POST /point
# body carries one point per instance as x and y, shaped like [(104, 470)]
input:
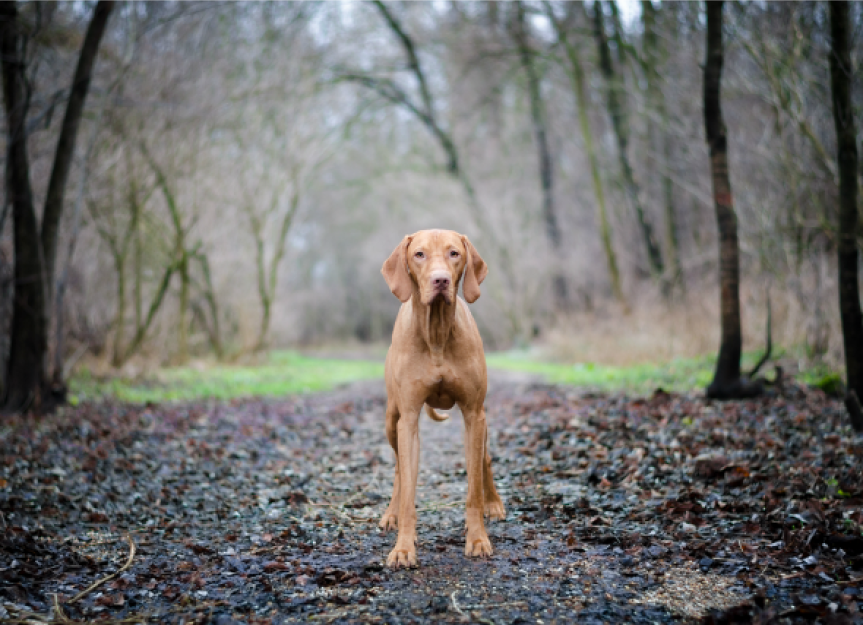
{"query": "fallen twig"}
[(58, 617), (329, 617), (455, 604), (353, 497), (99, 582), (485, 606), (439, 505)]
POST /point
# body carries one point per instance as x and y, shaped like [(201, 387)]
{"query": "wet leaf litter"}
[(665, 508)]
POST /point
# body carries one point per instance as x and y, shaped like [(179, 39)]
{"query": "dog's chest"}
[(443, 387)]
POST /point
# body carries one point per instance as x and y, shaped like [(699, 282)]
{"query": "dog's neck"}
[(436, 321)]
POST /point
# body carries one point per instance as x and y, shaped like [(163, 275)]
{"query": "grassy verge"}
[(678, 375), (284, 373), (288, 372), (682, 374)]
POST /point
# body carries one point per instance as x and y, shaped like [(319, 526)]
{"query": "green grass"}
[(284, 373), (288, 372), (683, 374)]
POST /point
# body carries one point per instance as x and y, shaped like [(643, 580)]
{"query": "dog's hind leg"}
[(493, 505)]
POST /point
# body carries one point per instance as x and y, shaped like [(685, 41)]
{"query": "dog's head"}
[(432, 262)]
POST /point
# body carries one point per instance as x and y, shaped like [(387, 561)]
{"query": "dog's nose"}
[(440, 281)]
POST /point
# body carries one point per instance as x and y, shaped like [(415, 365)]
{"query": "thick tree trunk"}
[(25, 375), (727, 382), (546, 167), (841, 75), (68, 133), (617, 110)]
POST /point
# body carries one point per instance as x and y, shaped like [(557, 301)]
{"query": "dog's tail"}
[(435, 416)]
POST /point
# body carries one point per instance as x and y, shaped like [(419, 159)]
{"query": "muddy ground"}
[(652, 510)]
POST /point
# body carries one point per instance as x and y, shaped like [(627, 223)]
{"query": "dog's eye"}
[(453, 253), (419, 255)]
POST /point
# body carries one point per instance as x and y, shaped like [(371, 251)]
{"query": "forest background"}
[(243, 169)]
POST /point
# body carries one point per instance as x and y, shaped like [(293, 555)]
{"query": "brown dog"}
[(436, 359)]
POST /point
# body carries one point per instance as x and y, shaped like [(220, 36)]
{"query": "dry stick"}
[(99, 582), (439, 505), (352, 497), (455, 603), (59, 617), (336, 508), (505, 604)]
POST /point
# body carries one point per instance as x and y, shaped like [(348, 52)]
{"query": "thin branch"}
[(413, 60), (108, 578)]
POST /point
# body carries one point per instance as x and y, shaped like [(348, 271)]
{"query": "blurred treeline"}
[(243, 169)]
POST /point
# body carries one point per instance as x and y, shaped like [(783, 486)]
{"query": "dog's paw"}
[(400, 557), (477, 546), (389, 521), (494, 510)]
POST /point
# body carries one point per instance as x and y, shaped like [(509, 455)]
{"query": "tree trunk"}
[(841, 75), (655, 53), (68, 133), (576, 75), (183, 313), (58, 375), (546, 167), (155, 304), (727, 382), (120, 318), (139, 274), (181, 253), (281, 248), (25, 376), (617, 110), (214, 334)]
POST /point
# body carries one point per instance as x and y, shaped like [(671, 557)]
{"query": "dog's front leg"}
[(476, 542), (405, 551), (390, 519)]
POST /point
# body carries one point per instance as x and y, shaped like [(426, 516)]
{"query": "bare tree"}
[(619, 120), (653, 55), (727, 381), (577, 77), (841, 76), (267, 272), (35, 249), (425, 112), (546, 167)]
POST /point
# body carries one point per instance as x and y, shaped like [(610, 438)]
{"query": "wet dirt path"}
[(619, 510)]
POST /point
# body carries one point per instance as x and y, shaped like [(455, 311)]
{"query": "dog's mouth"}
[(439, 294)]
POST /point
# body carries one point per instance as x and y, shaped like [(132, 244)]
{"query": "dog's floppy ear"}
[(395, 271), (474, 272)]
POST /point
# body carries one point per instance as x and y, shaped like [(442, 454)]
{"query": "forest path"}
[(618, 510)]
